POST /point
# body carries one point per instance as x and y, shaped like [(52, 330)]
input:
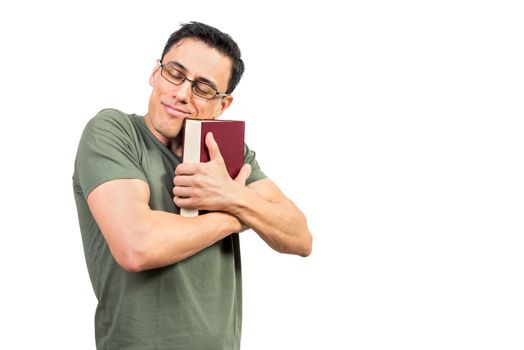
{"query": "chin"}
[(166, 128), (172, 132)]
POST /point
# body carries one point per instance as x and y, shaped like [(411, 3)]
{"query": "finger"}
[(243, 174), (185, 192), (186, 169), (183, 202), (212, 146), (183, 180)]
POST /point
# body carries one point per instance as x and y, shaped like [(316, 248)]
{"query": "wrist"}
[(223, 222), (233, 223), (239, 199)]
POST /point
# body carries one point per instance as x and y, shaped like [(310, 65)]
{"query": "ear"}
[(152, 77), (224, 104)]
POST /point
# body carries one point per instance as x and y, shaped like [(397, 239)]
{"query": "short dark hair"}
[(215, 39)]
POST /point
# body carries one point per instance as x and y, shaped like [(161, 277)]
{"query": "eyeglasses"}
[(176, 77)]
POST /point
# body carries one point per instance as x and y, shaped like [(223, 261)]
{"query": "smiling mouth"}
[(175, 112)]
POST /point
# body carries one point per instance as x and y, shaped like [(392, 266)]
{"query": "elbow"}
[(306, 241), (301, 247), (305, 253), (307, 247), (130, 262), (131, 265), (303, 250), (131, 258)]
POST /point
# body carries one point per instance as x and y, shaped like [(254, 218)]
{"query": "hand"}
[(208, 186)]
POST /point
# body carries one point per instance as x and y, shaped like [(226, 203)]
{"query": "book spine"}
[(192, 140)]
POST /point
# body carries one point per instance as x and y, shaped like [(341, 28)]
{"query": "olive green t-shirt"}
[(193, 304)]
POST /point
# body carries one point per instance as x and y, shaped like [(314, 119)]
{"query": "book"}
[(229, 135)]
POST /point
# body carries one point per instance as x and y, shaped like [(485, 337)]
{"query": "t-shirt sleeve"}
[(256, 172), (108, 150)]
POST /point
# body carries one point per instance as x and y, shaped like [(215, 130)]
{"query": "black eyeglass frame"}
[(194, 88)]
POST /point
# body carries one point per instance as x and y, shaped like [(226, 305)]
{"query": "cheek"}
[(209, 110), (201, 111), (154, 99)]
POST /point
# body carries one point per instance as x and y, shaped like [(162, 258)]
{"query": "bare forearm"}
[(166, 238), (141, 238), (280, 224)]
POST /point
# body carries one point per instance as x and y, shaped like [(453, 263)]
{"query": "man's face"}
[(170, 104)]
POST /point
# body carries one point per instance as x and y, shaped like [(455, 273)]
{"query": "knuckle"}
[(196, 180)]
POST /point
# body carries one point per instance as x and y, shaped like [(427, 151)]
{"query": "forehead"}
[(201, 61)]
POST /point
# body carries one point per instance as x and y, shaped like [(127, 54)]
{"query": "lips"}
[(175, 111)]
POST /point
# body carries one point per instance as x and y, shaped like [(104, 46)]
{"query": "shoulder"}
[(110, 116), (112, 121), (109, 128)]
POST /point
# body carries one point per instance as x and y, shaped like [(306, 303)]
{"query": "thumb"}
[(243, 174), (212, 146)]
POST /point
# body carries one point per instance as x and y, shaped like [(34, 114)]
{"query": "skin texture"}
[(141, 238)]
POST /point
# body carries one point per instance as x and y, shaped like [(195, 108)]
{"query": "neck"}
[(175, 145)]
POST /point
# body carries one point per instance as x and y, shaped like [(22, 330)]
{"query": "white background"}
[(396, 126)]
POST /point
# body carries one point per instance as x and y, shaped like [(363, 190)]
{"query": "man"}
[(164, 281)]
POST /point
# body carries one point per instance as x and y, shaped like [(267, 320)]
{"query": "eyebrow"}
[(200, 79)]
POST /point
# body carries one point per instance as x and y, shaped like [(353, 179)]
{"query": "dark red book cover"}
[(229, 135)]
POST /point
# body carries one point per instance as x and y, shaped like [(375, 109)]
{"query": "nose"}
[(182, 91)]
